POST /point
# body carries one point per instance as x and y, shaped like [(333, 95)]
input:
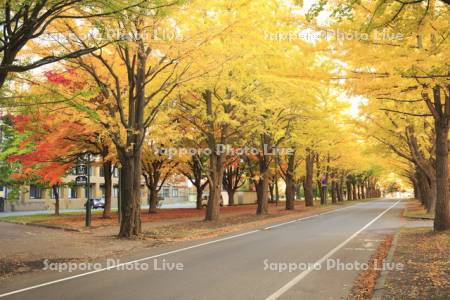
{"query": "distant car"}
[(205, 200), (97, 203)]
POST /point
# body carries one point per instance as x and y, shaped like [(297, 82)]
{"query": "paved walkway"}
[(44, 212)]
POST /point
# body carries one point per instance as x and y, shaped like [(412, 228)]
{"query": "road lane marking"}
[(281, 224), (309, 217), (126, 263), (303, 274)]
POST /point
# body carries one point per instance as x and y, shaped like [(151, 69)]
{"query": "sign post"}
[(84, 178), (119, 198), (88, 192)]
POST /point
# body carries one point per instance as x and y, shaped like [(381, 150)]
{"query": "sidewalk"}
[(62, 211)]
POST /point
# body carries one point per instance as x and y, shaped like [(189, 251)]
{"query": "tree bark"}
[(349, 190), (355, 194), (199, 195), (107, 172), (363, 191), (442, 215), (216, 159), (56, 194), (308, 183), (290, 183), (263, 195), (215, 184), (425, 189), (130, 181), (231, 197), (277, 191), (152, 199), (290, 193), (333, 192), (341, 189)]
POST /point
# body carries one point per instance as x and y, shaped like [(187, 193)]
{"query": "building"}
[(72, 196)]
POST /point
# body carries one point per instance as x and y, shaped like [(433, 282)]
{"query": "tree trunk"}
[(290, 183), (290, 192), (349, 191), (417, 195), (277, 191), (433, 195), (130, 181), (152, 199), (271, 192), (442, 215), (199, 193), (425, 189), (199, 188), (308, 183), (56, 194), (334, 192), (263, 195), (355, 194), (231, 197), (107, 173), (323, 194), (215, 186), (341, 189), (363, 191)]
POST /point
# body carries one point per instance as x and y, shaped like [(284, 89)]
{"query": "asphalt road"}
[(248, 265)]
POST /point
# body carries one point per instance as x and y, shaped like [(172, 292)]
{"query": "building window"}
[(103, 189), (174, 192), (116, 192), (115, 172), (35, 192), (102, 172), (73, 193), (1, 189), (166, 192)]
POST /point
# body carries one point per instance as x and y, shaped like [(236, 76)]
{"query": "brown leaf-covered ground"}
[(426, 257), (364, 284)]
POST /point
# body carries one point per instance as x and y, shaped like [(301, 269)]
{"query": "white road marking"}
[(303, 274), (309, 217), (360, 249), (127, 263)]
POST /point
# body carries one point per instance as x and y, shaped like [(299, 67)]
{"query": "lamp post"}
[(88, 192), (119, 197)]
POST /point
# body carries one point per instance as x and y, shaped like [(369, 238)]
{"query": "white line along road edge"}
[(303, 274), (124, 264)]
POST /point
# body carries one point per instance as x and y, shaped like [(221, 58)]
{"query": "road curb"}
[(379, 288), (43, 225)]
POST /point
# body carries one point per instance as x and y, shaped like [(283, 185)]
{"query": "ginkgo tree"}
[(407, 64)]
